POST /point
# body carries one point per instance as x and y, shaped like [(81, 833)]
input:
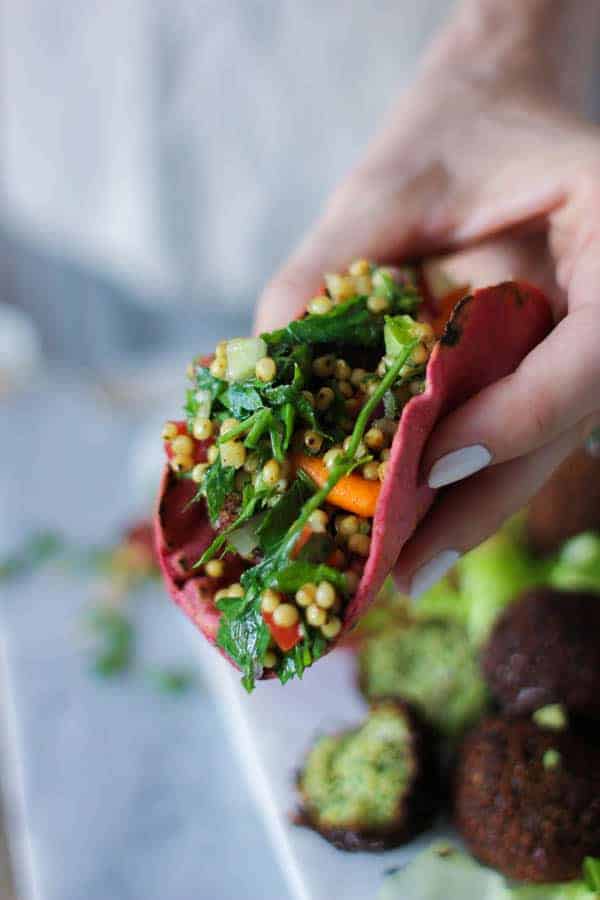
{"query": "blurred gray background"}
[(170, 153), (158, 160)]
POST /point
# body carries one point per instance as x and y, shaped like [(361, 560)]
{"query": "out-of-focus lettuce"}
[(484, 582), (442, 601), (390, 610), (442, 872), (492, 576), (578, 564)]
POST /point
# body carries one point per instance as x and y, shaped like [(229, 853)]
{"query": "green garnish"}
[(168, 680), (37, 549), (114, 633), (281, 516), (218, 485)]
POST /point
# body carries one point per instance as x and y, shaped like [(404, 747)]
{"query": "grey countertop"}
[(114, 791)]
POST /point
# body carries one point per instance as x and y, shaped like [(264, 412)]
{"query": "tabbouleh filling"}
[(287, 437)]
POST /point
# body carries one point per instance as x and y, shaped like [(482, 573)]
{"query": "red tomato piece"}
[(285, 638), (200, 447)]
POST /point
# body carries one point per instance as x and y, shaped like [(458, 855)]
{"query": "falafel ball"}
[(527, 800), (432, 665), (546, 649), (371, 787), (567, 504)]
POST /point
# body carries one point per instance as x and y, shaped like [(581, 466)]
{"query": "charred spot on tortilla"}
[(454, 328)]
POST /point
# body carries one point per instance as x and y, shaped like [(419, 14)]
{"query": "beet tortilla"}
[(485, 339)]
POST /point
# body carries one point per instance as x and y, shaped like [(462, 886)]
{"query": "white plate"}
[(271, 730)]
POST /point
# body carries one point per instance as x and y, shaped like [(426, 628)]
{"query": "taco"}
[(294, 480)]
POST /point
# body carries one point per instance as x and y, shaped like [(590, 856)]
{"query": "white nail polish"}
[(431, 572), (458, 464)]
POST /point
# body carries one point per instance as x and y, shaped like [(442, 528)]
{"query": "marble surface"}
[(272, 730), (114, 791)]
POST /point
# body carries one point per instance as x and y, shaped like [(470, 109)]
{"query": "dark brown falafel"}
[(568, 504), (527, 800), (546, 649), (371, 787)]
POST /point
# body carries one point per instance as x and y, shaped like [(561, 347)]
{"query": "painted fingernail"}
[(431, 572), (458, 464)]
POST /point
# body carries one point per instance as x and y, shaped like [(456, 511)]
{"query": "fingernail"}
[(431, 572), (458, 464)]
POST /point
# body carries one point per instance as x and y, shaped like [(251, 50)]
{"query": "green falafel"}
[(433, 666), (371, 787)]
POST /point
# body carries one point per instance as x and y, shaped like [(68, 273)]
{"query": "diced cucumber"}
[(245, 538), (204, 404), (242, 356)]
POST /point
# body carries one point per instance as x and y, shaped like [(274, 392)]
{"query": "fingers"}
[(467, 513), (506, 258), (375, 215), (555, 387)]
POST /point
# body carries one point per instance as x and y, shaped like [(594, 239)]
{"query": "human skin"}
[(487, 158)]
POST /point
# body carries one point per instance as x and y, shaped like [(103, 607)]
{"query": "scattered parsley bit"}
[(167, 680), (37, 549), (114, 635)]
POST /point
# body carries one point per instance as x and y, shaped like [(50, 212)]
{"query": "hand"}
[(482, 151)]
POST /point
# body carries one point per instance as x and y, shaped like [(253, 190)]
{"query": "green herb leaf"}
[(219, 483), (115, 635), (317, 549), (276, 433), (241, 399), (260, 426), (245, 638), (296, 573), (281, 516)]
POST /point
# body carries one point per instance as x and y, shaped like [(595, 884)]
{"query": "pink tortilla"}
[(486, 338)]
